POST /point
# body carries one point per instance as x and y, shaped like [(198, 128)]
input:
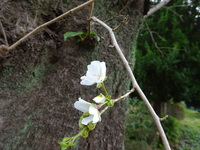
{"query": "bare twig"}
[(152, 37), (124, 96), (156, 8), (154, 41), (102, 111), (89, 16), (4, 34), (174, 12), (128, 3), (125, 19), (50, 22), (119, 98), (135, 84), (187, 5), (163, 118)]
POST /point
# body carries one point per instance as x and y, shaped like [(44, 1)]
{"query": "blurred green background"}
[(168, 70)]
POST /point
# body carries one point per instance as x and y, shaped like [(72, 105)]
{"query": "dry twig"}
[(135, 84), (156, 8), (4, 33), (125, 19), (163, 118), (89, 16), (119, 98), (49, 22)]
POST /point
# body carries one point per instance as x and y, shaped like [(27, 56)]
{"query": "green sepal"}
[(85, 114), (85, 134), (99, 85), (110, 102), (101, 95), (105, 78), (91, 126), (81, 126)]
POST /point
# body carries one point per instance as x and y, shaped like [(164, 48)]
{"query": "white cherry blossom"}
[(96, 73), (84, 106)]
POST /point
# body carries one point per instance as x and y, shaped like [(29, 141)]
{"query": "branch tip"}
[(163, 118)]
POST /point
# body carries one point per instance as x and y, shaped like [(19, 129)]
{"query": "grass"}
[(190, 130), (192, 119), (183, 134)]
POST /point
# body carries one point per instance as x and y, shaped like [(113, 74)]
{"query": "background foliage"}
[(168, 56), (167, 69)]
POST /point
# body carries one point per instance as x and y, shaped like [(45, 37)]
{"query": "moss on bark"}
[(40, 79)]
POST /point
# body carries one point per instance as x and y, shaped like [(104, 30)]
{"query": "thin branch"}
[(152, 37), (174, 12), (154, 41), (135, 84), (124, 96), (188, 5), (49, 22), (163, 118), (89, 16), (125, 19), (128, 3), (119, 98), (102, 111), (156, 8), (4, 34)]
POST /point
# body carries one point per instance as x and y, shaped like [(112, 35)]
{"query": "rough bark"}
[(39, 80)]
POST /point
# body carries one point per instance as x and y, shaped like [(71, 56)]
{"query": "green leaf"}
[(95, 34), (71, 34), (79, 40), (66, 139), (66, 142), (62, 144), (70, 144)]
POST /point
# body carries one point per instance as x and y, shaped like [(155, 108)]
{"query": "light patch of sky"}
[(189, 1), (198, 9), (155, 1)]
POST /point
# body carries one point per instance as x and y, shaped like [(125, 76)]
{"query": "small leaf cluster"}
[(82, 35)]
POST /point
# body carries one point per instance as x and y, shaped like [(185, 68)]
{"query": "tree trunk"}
[(40, 79)]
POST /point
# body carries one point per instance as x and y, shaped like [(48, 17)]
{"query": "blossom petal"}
[(96, 115), (99, 99), (86, 120), (103, 71), (86, 81), (82, 105), (92, 77), (94, 67), (96, 118)]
